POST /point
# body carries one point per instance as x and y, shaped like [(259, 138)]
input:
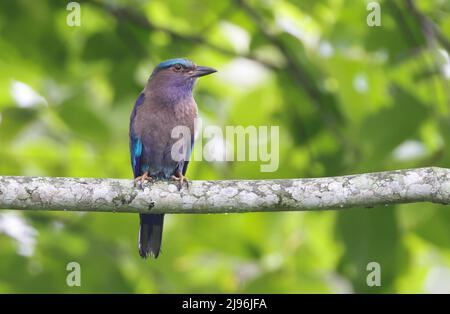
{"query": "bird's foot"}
[(139, 181), (180, 179)]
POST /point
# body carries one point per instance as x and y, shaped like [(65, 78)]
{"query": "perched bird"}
[(166, 102)]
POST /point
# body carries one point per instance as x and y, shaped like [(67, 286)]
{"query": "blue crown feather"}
[(168, 63)]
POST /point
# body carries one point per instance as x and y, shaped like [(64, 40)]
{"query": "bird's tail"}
[(150, 234)]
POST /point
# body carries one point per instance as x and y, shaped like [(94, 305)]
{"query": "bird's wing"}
[(136, 152), (185, 164), (135, 141)]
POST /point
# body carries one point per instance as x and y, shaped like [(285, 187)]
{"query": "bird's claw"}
[(139, 181), (180, 179)]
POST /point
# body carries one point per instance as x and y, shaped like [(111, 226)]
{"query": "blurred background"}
[(348, 98)]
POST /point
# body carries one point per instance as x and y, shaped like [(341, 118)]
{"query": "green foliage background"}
[(346, 96)]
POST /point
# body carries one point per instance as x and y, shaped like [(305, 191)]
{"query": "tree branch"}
[(430, 30), (122, 13), (115, 195), (320, 99)]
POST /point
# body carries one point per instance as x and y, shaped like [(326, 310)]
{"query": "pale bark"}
[(114, 195)]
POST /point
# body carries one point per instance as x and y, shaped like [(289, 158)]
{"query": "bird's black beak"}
[(202, 71)]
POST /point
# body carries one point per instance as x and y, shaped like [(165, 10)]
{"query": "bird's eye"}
[(178, 67)]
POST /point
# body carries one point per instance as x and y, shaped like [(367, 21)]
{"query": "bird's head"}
[(179, 73)]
